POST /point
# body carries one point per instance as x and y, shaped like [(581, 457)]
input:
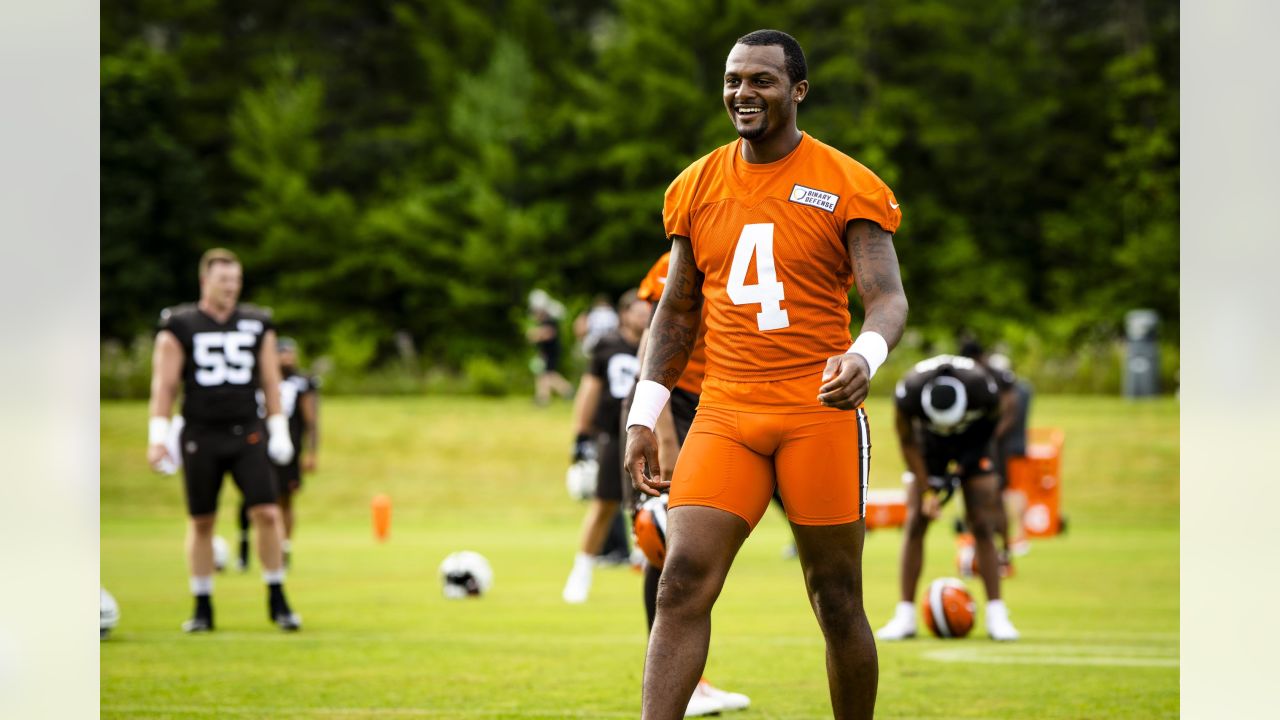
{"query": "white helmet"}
[(944, 400), (108, 614), (465, 574)]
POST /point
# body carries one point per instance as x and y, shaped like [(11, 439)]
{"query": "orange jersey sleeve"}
[(655, 280), (651, 289), (769, 242)]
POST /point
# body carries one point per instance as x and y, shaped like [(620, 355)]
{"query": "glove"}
[(172, 445), (944, 486), (279, 444), (584, 448)]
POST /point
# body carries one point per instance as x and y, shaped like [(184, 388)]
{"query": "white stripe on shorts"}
[(864, 461)]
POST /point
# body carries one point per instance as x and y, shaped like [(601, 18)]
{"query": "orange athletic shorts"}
[(819, 460)]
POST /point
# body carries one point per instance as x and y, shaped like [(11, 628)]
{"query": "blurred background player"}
[(299, 399), (671, 429), (545, 336), (598, 416), (596, 322), (221, 353), (947, 409)]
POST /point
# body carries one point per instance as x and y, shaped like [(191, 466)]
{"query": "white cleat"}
[(703, 702), (998, 625), (578, 586), (902, 626), (728, 700)]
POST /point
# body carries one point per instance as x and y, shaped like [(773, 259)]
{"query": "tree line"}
[(416, 167)]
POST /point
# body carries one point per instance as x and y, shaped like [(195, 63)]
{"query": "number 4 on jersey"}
[(757, 239)]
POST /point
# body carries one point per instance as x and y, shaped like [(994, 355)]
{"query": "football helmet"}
[(465, 574)]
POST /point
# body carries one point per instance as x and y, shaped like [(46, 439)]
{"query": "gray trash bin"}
[(1142, 354)]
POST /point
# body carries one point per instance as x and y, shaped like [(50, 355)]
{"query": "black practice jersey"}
[(293, 386), (220, 375), (614, 361), (982, 400)]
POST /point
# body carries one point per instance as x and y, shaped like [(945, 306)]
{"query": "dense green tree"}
[(417, 166)]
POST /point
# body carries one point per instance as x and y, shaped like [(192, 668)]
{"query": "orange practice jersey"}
[(651, 289), (769, 241)]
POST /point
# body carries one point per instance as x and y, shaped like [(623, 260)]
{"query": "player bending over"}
[(947, 411)]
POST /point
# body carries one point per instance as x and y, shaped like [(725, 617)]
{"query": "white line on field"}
[(1095, 655), (1119, 639), (337, 711)]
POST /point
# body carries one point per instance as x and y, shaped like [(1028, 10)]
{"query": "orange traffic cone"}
[(381, 505)]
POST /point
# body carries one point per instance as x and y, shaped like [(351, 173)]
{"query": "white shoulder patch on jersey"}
[(820, 199), (250, 326)]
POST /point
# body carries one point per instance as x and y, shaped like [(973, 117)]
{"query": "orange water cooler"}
[(886, 508), (1038, 478)]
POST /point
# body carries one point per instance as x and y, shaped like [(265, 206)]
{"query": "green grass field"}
[(1098, 607)]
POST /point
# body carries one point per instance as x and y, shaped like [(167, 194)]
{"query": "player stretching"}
[(770, 232), (221, 352), (597, 410), (299, 393), (947, 411)]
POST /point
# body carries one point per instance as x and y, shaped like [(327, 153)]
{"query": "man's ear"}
[(800, 90)]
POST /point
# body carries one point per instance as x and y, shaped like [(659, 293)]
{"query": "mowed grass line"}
[(380, 642)]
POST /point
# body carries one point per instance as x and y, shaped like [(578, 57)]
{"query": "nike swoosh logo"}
[(893, 205)]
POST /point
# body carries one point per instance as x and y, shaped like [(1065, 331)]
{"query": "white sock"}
[(201, 584), (273, 577), (905, 608), (997, 606), (583, 562)]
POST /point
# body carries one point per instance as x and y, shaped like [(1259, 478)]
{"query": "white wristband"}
[(872, 346), (650, 398), (278, 424), (158, 430)]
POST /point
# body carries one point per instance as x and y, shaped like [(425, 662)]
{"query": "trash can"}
[(1142, 354)]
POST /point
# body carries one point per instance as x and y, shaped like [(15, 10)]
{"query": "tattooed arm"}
[(670, 341), (875, 268), (675, 321)]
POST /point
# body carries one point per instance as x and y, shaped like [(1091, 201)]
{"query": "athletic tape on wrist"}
[(158, 430), (650, 398), (872, 346)]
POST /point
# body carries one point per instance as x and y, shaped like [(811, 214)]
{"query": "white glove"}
[(279, 444), (173, 463)]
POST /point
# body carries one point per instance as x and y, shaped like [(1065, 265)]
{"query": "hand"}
[(642, 455), (845, 381), (583, 448), (309, 462), (931, 505), (159, 459), (279, 444)]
